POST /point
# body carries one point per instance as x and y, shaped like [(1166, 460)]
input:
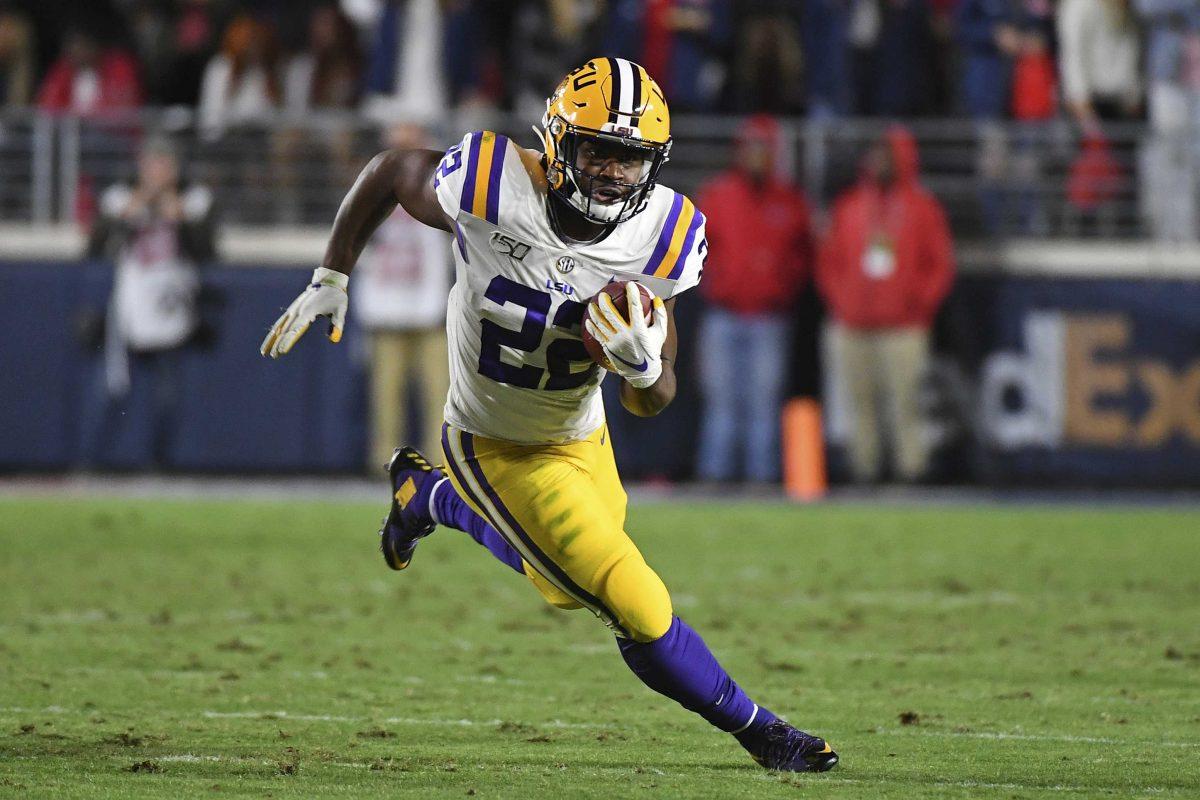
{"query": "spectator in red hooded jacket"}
[(884, 269), (89, 79), (760, 258)]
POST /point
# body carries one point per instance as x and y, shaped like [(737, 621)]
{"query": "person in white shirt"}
[(1100, 60), (242, 84), (403, 280), (156, 232)]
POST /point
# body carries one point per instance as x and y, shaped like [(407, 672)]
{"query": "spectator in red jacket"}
[(884, 269), (760, 257), (89, 78)]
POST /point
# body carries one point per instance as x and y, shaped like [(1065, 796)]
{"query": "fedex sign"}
[(1080, 382)]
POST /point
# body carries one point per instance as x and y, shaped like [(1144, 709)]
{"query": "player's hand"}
[(634, 348), (324, 297)]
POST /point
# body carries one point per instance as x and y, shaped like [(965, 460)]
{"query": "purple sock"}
[(450, 509), (680, 666)]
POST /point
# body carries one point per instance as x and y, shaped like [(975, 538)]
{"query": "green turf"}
[(257, 649)]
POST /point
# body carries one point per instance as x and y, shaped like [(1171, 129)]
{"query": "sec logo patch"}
[(565, 264)]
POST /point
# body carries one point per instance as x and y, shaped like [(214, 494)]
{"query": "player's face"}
[(615, 170)]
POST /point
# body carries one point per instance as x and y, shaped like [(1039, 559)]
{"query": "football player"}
[(531, 474)]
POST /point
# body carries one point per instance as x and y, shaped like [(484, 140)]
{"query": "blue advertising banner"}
[(213, 406), (1040, 380), (1084, 380)]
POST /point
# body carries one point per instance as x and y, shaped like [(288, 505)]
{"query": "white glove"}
[(633, 348), (324, 297)]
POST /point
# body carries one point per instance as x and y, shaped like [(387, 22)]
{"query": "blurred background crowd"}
[(1052, 97), (238, 60), (843, 150)]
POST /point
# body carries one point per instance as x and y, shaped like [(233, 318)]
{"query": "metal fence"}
[(1028, 180)]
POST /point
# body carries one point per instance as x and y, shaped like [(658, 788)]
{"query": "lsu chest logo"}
[(564, 264), (506, 245)]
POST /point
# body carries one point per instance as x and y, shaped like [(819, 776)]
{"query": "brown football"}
[(616, 291)]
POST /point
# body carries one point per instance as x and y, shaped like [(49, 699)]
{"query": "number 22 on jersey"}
[(567, 363)]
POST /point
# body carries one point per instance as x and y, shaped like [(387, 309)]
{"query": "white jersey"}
[(518, 368), (156, 286)]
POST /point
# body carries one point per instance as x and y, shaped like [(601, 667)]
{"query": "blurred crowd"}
[(275, 93), (238, 60), (882, 266)]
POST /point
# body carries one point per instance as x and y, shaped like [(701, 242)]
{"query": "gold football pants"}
[(562, 507)]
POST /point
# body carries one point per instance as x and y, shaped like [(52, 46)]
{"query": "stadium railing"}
[(996, 179)]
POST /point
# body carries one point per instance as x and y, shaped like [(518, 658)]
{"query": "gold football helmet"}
[(615, 102)]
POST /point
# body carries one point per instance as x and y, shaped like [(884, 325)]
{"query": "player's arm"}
[(403, 177), (394, 177), (650, 401)]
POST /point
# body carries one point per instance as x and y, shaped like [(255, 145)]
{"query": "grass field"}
[(221, 649)]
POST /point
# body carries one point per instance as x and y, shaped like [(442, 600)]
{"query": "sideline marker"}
[(803, 450)]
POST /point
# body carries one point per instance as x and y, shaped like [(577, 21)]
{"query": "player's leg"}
[(448, 508), (679, 665), (676, 663), (561, 507), (543, 501), (423, 498)]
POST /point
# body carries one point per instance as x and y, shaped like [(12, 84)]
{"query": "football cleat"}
[(408, 521), (787, 749)]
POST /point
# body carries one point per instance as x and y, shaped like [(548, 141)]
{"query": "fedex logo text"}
[(1080, 383)]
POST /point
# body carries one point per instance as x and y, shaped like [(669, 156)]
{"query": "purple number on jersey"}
[(561, 354)]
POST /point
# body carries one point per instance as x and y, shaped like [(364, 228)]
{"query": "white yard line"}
[(291, 716), (457, 723), (1031, 737)]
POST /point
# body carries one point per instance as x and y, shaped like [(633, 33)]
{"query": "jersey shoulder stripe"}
[(675, 239), (481, 185)]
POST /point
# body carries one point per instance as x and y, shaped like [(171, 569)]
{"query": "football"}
[(616, 290)]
